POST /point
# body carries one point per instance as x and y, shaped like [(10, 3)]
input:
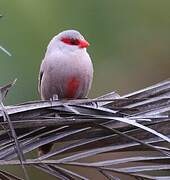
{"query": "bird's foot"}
[(54, 98)]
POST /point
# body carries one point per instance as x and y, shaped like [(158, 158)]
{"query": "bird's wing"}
[(39, 81), (40, 77)]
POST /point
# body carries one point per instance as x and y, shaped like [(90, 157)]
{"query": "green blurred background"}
[(130, 41)]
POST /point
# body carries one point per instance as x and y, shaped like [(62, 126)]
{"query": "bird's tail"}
[(45, 149)]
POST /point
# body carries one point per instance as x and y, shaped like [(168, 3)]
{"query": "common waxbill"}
[(66, 70)]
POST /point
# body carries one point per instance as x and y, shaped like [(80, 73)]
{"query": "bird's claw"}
[(54, 98)]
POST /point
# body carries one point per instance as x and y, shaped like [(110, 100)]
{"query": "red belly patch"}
[(72, 87)]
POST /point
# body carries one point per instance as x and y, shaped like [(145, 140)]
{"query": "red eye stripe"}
[(71, 41)]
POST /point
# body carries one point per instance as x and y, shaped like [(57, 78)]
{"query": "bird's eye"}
[(74, 41), (71, 41)]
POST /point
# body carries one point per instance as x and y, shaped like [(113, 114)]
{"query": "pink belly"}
[(72, 87)]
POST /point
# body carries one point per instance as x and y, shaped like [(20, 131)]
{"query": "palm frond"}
[(113, 136)]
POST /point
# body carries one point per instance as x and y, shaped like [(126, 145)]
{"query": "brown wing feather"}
[(40, 76), (39, 81)]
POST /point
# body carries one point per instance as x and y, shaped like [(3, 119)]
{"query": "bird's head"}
[(69, 40)]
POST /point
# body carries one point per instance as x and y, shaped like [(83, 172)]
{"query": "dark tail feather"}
[(45, 149)]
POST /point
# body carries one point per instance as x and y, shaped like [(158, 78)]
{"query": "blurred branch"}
[(5, 51)]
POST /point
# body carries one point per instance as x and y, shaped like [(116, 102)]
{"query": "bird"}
[(66, 71)]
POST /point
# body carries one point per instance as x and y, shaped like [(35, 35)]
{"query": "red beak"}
[(83, 44)]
